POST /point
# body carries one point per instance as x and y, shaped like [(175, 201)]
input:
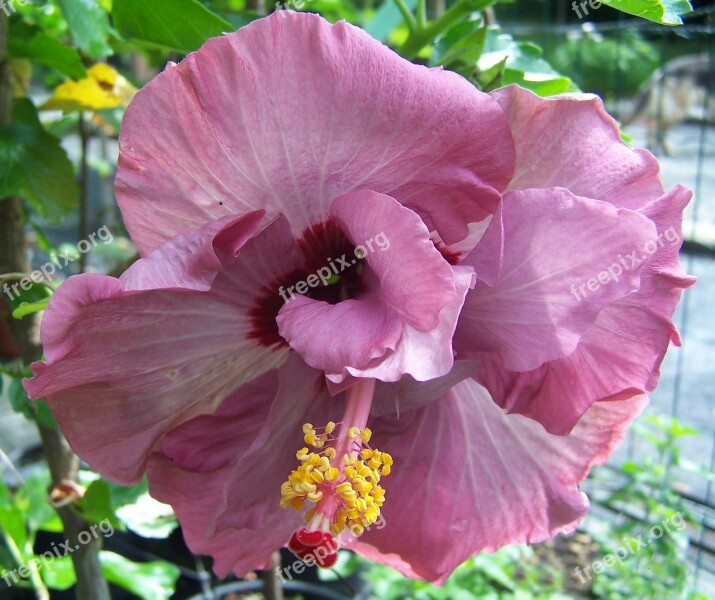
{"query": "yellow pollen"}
[(352, 479)]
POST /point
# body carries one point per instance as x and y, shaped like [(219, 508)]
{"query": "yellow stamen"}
[(353, 478)]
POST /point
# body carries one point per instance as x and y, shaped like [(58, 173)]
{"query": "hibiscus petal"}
[(125, 366), (424, 355), (331, 337), (160, 269), (620, 355), (553, 243), (415, 280), (290, 112), (405, 322), (570, 141), (222, 473), (468, 478)]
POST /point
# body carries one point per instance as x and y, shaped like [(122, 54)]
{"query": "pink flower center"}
[(325, 249)]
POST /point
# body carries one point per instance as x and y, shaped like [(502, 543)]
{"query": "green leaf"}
[(96, 504), (122, 495), (40, 513), (89, 26), (18, 398), (665, 12), (148, 518), (519, 62), (59, 574), (35, 167), (150, 581), (28, 41), (463, 44), (18, 296), (180, 25), (12, 515), (30, 308)]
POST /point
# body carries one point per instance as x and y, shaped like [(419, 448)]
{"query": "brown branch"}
[(63, 464)]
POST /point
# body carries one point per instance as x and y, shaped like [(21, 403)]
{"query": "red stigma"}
[(314, 546)]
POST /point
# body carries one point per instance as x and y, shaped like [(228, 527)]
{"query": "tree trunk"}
[(63, 464)]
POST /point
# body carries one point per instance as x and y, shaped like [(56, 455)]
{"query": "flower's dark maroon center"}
[(331, 273)]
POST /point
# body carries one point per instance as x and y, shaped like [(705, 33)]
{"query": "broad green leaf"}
[(522, 63), (180, 25), (150, 581), (40, 513), (665, 12), (59, 574), (148, 518), (89, 26), (461, 46), (34, 166), (96, 504), (13, 508), (122, 495), (18, 398), (20, 298), (28, 41)]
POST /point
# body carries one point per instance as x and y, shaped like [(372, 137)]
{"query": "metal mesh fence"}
[(659, 82)]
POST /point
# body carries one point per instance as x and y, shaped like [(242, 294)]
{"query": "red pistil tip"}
[(314, 547)]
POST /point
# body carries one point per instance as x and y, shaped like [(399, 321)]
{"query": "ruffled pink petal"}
[(570, 141), (405, 320), (125, 366), (222, 472), (160, 269), (469, 478), (621, 354), (331, 337), (424, 355), (290, 112), (553, 243), (415, 280)]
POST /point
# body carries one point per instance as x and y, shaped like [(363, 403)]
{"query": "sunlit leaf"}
[(89, 26), (666, 12), (180, 25), (150, 581), (505, 61), (28, 41), (59, 574), (35, 167)]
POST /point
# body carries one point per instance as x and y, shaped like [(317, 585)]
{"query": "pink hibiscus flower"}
[(341, 248)]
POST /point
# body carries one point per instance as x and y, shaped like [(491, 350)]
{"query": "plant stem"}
[(422, 13), (41, 592), (419, 38), (63, 464), (272, 589), (83, 187), (406, 15)]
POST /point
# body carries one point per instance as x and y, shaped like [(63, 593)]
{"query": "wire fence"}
[(659, 81)]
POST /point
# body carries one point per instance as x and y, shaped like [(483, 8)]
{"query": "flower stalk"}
[(426, 33)]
